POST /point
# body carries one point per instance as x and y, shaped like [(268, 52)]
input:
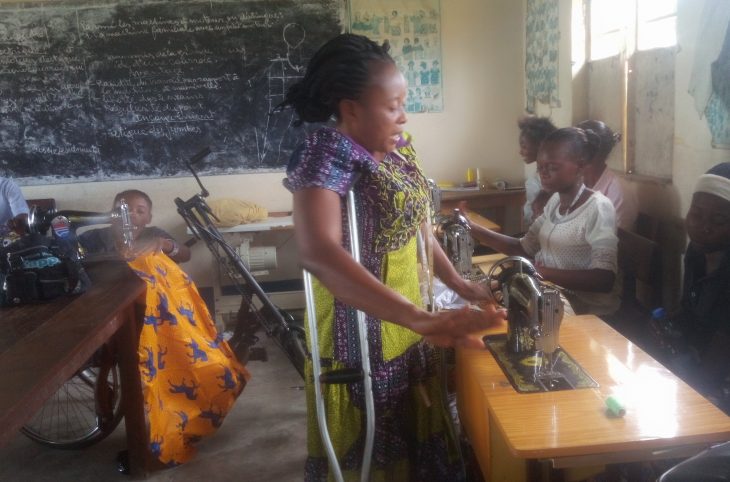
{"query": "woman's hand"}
[(458, 327)]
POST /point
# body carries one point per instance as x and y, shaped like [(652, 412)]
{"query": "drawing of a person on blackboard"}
[(283, 70)]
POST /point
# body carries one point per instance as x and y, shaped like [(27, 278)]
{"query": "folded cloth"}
[(232, 212)]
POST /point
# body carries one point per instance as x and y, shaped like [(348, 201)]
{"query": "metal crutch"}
[(346, 375)]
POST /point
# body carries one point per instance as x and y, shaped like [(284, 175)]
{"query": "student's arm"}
[(504, 244), (497, 241), (153, 240), (177, 252), (318, 233), (18, 207)]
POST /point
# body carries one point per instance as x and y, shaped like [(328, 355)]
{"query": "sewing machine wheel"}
[(502, 271)]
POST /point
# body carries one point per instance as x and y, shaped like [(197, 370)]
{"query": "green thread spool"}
[(615, 407)]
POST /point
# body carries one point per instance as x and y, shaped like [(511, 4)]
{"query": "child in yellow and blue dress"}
[(190, 377)]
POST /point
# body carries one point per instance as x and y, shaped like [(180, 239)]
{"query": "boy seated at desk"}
[(695, 341), (146, 238), (190, 377)]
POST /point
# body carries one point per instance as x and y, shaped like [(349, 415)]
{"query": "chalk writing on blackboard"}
[(126, 90)]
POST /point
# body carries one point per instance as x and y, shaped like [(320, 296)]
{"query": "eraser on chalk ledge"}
[(615, 407)]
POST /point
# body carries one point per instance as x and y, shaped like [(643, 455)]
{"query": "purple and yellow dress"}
[(412, 439)]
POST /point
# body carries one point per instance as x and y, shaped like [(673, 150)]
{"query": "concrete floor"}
[(262, 439)]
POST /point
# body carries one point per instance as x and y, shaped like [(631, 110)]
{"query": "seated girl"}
[(699, 331), (532, 132), (190, 377), (598, 177), (573, 241)]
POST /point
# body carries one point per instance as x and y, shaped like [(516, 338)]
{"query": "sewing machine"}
[(453, 233), (534, 313), (64, 224)]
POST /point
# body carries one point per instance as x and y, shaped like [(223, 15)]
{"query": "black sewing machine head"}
[(534, 309), (454, 234)]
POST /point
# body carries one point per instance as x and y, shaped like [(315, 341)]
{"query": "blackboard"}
[(124, 90)]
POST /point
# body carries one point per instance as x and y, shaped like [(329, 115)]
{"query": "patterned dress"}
[(412, 438), (190, 377)]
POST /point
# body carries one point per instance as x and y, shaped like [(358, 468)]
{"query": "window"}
[(609, 26), (630, 79), (621, 26), (656, 24)]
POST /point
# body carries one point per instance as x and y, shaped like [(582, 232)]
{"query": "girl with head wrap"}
[(702, 324)]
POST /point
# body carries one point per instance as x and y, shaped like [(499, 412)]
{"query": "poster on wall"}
[(718, 108), (541, 53), (718, 119), (413, 28)]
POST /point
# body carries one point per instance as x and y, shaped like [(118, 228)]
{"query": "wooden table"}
[(510, 431), (42, 345), (487, 198), (476, 218)]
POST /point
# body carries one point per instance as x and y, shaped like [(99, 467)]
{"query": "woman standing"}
[(356, 81)]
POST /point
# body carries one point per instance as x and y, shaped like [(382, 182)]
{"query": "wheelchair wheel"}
[(84, 410)]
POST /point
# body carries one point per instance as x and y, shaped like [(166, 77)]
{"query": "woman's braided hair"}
[(584, 144), (608, 138), (340, 69)]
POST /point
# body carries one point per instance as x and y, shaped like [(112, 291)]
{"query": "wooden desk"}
[(476, 218), (665, 418), (42, 345), (487, 198)]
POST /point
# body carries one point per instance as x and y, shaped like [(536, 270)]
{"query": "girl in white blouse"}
[(574, 241)]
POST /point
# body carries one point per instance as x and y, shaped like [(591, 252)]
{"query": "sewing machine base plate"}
[(522, 370)]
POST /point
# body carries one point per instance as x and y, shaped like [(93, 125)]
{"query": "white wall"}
[(483, 64), (483, 92)]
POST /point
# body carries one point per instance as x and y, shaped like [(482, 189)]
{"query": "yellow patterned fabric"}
[(400, 271), (190, 377)]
